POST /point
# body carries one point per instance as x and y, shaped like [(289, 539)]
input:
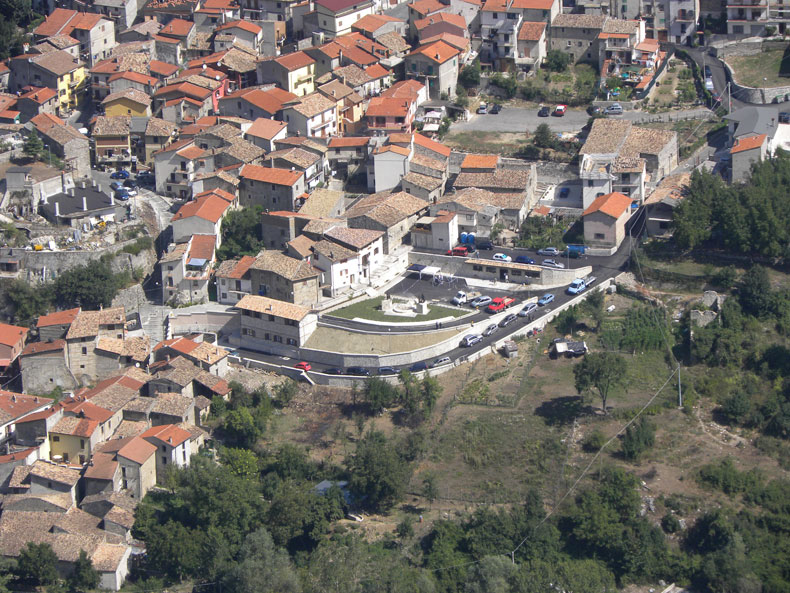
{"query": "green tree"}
[(430, 489), (33, 146), (286, 391), (567, 319), (262, 568), (379, 394), (405, 529), (241, 428), (26, 301), (84, 577), (544, 137), (602, 371), (754, 292), (241, 233), (557, 61), (91, 286), (461, 96), (378, 474), (638, 438), (242, 462), (431, 392), (470, 75), (37, 564)]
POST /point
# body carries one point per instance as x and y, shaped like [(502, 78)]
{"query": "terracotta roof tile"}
[(281, 309), (480, 161), (58, 318), (166, 433), (11, 335), (613, 204), (294, 61), (438, 52), (271, 175), (211, 208)]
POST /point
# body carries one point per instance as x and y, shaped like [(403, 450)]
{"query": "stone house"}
[(65, 142), (278, 276), (336, 17), (173, 447), (274, 189), (577, 34), (436, 66), (83, 336), (264, 132), (311, 116), (392, 214), (44, 367), (95, 34), (202, 216), (186, 270), (605, 220), (12, 342), (233, 280), (294, 72), (271, 325)]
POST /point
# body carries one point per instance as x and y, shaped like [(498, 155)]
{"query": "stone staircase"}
[(153, 319)]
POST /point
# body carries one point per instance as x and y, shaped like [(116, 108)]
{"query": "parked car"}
[(471, 340), (614, 109), (708, 72), (358, 371), (459, 298), (551, 263), (784, 117), (545, 299), (120, 174), (485, 245), (115, 185), (387, 371), (305, 366), (593, 110), (146, 178), (461, 250), (523, 259), (565, 192), (490, 330), (544, 111), (560, 110), (549, 251), (495, 109), (577, 286), (502, 257), (441, 361), (334, 371), (121, 194), (508, 319), (418, 366), (482, 109), (527, 309), (481, 301)]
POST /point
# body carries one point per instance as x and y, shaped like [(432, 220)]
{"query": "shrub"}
[(670, 523), (594, 441), (638, 438)]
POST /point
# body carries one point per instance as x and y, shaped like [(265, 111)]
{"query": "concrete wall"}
[(183, 321), (42, 373), (755, 95)]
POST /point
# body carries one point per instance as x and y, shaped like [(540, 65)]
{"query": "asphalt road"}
[(521, 119), (603, 269)]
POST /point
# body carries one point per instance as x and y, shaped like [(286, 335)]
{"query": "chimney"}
[(85, 203), (57, 208), (340, 57)]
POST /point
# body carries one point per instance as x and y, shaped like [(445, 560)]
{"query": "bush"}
[(557, 61), (470, 75), (638, 438), (726, 477), (506, 83), (141, 244), (670, 523), (594, 441)]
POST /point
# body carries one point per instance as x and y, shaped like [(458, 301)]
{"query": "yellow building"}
[(129, 101), (294, 72), (72, 439), (57, 70)]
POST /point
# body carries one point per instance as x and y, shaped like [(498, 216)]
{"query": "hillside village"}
[(143, 131)]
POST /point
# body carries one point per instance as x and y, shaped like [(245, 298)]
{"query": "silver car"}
[(551, 263), (490, 329), (528, 308)]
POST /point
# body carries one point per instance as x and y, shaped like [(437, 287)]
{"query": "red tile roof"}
[(480, 161), (184, 88), (405, 89), (17, 405), (39, 95), (426, 7), (384, 107), (177, 28), (432, 145), (530, 31), (438, 52), (138, 450), (58, 318), (162, 68), (348, 141), (271, 175), (241, 267), (182, 345), (41, 347), (613, 204), (377, 71), (55, 22), (220, 193), (211, 208), (167, 433), (11, 335), (85, 409), (442, 17), (203, 247), (243, 25), (134, 77), (748, 143), (264, 127), (271, 100), (338, 5), (294, 61)]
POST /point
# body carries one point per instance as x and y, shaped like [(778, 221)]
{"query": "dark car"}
[(115, 185), (708, 72), (334, 371), (523, 259), (508, 320), (387, 371), (485, 245), (130, 183), (593, 110), (121, 194), (418, 366), (495, 109), (120, 174), (146, 178), (784, 117), (357, 371), (544, 111)]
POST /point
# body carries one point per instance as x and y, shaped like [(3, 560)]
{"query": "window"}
[(270, 317), (490, 269), (56, 439), (84, 350), (569, 43), (164, 460), (164, 448), (291, 342), (123, 473), (278, 339), (599, 235), (82, 443)]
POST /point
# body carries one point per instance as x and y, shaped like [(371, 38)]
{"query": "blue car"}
[(120, 174), (523, 259), (116, 185), (121, 194), (545, 299)]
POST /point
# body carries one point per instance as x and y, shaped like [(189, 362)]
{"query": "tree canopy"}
[(601, 371)]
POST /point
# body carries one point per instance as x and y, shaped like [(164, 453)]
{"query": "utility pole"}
[(729, 97), (680, 391)]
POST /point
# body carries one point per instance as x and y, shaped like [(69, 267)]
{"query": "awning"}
[(196, 261)]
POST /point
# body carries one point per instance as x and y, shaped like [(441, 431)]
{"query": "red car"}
[(305, 366), (500, 304), (462, 251)]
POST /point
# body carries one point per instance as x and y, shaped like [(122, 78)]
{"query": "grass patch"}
[(504, 144), (371, 309), (766, 69)]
